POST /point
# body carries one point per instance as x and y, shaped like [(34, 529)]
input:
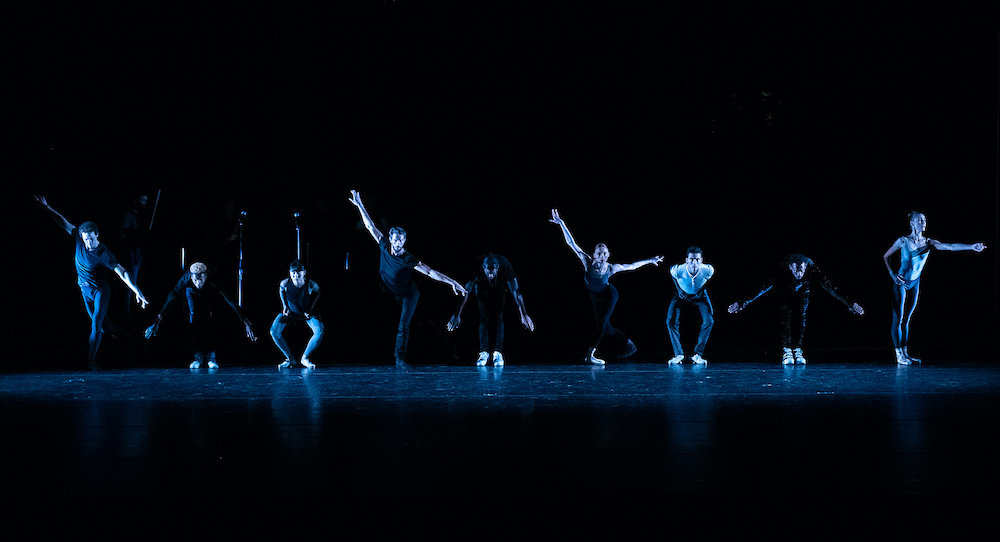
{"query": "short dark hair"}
[(296, 265), (694, 249), (397, 230), (88, 227)]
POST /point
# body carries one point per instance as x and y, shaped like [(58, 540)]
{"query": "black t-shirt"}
[(396, 271)]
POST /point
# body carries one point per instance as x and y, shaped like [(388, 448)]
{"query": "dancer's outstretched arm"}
[(365, 217), (977, 247), (425, 269), (618, 267)]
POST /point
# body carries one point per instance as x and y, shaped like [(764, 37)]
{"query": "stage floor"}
[(553, 430)]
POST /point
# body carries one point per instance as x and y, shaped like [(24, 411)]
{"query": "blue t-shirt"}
[(92, 266)]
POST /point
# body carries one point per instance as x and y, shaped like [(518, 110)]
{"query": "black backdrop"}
[(466, 129)]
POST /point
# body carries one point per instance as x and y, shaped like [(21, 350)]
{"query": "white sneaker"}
[(901, 357), (198, 357), (676, 360), (497, 359), (787, 358), (285, 364), (211, 361), (697, 359), (799, 358), (483, 358), (906, 354), (307, 364)]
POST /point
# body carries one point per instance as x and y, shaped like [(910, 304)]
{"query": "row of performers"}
[(791, 283)]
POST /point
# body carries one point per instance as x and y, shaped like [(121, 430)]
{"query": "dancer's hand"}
[(454, 322), (527, 322), (555, 217), (249, 328), (735, 308), (857, 309), (356, 199)]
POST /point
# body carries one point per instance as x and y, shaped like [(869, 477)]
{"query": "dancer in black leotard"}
[(913, 251), (603, 296)]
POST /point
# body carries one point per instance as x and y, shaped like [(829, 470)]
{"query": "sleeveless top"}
[(596, 280), (912, 259)]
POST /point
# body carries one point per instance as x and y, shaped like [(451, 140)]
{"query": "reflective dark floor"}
[(629, 429)]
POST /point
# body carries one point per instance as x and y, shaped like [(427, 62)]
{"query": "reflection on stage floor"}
[(645, 429)]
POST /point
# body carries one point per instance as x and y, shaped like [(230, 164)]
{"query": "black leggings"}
[(604, 305)]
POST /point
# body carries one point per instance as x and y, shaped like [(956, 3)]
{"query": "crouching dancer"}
[(791, 281), (200, 293), (298, 296)]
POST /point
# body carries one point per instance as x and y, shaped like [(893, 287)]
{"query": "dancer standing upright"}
[(913, 251)]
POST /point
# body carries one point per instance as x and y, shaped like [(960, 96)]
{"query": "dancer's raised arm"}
[(59, 219), (365, 217), (568, 237)]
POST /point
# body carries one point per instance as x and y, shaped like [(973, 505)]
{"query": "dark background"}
[(648, 132)]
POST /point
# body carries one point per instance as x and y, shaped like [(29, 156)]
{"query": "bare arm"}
[(519, 301), (456, 319), (568, 237), (888, 264), (59, 219), (123, 274), (424, 269), (978, 247), (618, 267), (365, 217)]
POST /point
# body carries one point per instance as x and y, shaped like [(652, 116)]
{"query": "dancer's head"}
[(397, 238), (199, 274), (89, 234), (491, 266), (297, 272), (601, 253), (694, 258), (798, 264), (918, 222)]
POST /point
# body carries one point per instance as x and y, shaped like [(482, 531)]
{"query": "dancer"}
[(603, 296), (791, 281), (93, 260), (396, 267), (298, 296), (195, 286), (494, 278), (690, 279), (913, 251)]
